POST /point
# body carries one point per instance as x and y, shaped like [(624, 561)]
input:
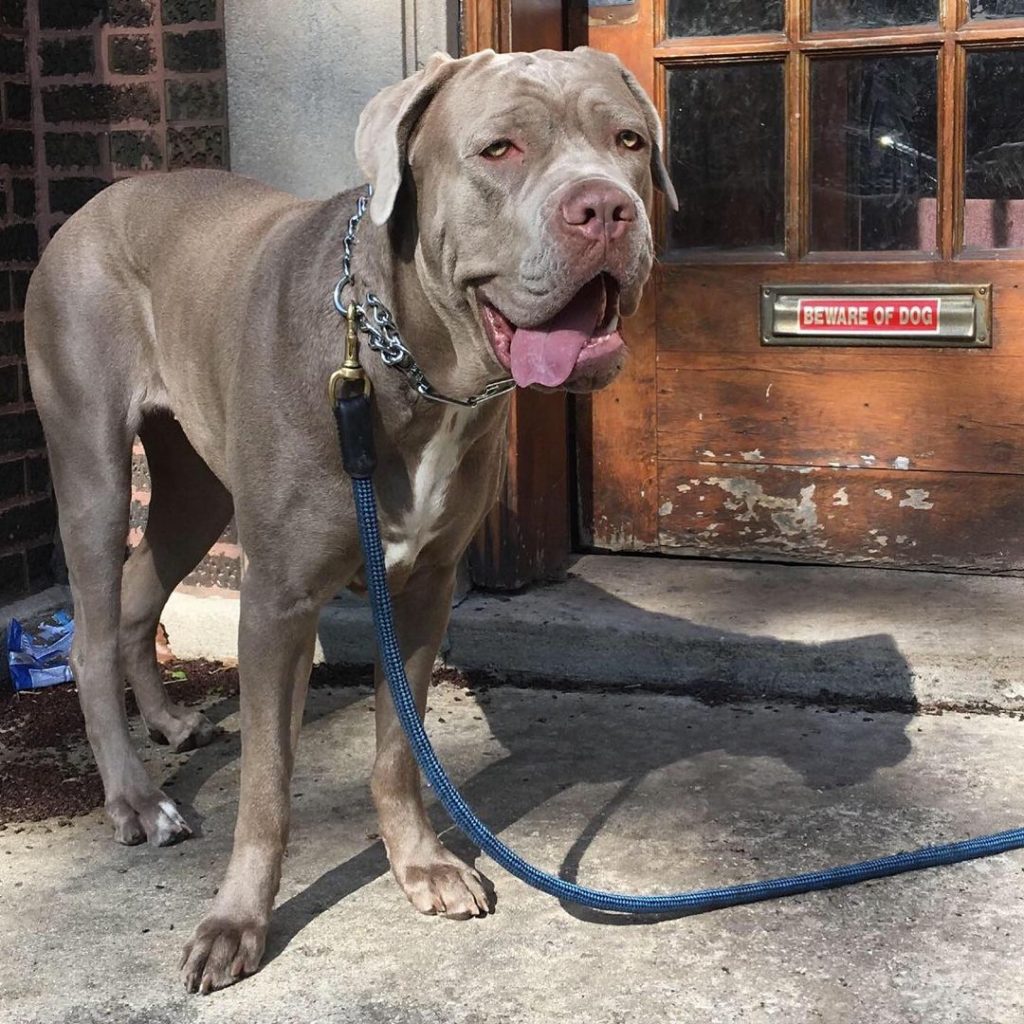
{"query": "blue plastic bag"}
[(42, 658)]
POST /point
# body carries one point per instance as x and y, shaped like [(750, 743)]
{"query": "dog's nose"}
[(598, 209)]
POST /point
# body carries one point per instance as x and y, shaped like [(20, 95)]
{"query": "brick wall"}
[(90, 91)]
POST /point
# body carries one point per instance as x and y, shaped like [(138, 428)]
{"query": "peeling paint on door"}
[(916, 498), (793, 517), (864, 516)]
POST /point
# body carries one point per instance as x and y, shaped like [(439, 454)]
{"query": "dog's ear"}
[(386, 124), (659, 172)]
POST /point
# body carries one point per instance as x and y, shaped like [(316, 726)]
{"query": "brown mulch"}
[(46, 769), (46, 766), (32, 790)]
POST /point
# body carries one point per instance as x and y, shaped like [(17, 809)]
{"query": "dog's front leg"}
[(275, 649), (433, 878)]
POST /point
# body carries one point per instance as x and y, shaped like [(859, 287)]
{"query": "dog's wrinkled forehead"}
[(541, 95), (452, 109)]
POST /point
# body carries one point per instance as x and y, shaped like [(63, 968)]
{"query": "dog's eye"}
[(497, 149), (630, 139)]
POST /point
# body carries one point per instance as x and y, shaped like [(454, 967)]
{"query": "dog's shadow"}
[(589, 749)]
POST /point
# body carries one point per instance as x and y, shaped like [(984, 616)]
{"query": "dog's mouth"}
[(548, 353)]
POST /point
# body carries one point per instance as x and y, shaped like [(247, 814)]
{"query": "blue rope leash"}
[(692, 902)]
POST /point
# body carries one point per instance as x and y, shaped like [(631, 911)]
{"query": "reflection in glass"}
[(997, 8), (724, 17), (833, 15), (994, 213), (874, 136), (726, 156)]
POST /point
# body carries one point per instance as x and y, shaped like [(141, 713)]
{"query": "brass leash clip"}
[(351, 371)]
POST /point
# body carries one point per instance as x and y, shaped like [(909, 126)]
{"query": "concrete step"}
[(723, 630)]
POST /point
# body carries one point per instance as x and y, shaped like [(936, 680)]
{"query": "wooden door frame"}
[(622, 456), (527, 536)]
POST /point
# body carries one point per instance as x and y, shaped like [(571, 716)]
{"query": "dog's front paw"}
[(221, 951), (438, 882)]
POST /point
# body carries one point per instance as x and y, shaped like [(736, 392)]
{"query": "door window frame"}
[(952, 37)]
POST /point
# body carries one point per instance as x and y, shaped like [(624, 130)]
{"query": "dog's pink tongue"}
[(547, 354)]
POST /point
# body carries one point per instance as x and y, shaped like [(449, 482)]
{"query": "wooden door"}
[(877, 143)]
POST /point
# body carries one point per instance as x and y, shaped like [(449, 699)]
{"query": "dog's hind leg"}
[(90, 461), (189, 508), (84, 324)]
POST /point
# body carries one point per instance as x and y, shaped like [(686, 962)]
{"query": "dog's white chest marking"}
[(431, 479)]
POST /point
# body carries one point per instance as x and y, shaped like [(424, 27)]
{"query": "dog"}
[(507, 233)]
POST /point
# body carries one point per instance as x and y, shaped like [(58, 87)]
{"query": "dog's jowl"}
[(508, 233)]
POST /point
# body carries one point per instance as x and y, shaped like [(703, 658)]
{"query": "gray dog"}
[(507, 233)]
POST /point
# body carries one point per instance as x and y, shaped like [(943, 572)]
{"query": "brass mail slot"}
[(912, 315)]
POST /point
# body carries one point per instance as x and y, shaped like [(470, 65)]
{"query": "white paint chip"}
[(884, 492), (841, 497), (665, 509), (901, 462), (753, 456), (916, 498)]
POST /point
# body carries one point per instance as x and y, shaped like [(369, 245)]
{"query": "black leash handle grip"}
[(354, 418)]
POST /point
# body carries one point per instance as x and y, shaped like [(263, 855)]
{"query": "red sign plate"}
[(887, 314)]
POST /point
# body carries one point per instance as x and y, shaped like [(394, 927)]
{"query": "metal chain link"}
[(382, 333)]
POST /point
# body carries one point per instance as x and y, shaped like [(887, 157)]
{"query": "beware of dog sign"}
[(868, 316), (864, 315)]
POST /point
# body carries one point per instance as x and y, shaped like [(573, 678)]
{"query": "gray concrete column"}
[(300, 72)]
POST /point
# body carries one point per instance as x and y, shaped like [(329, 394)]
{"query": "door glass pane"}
[(997, 8), (874, 136), (833, 15), (994, 211), (724, 17), (727, 137)]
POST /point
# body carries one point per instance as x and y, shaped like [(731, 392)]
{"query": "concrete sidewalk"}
[(756, 629), (639, 791)]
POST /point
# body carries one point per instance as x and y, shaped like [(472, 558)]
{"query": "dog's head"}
[(532, 175)]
